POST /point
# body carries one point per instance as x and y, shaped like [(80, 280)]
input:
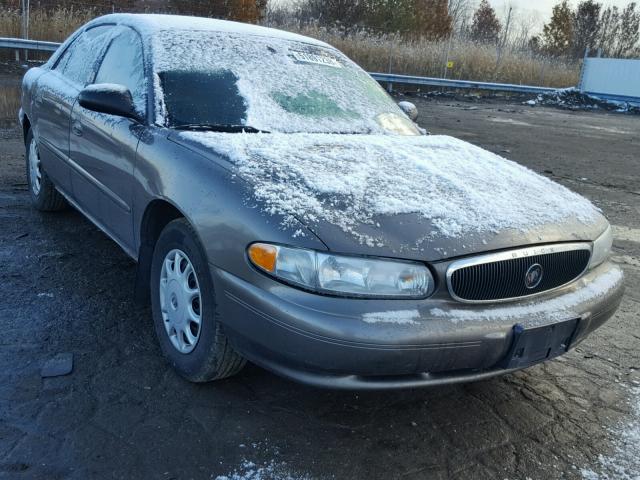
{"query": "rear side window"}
[(123, 64), (79, 62)]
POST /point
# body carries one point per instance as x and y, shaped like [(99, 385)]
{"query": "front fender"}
[(28, 96), (218, 204)]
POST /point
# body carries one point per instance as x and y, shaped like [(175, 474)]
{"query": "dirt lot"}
[(122, 413)]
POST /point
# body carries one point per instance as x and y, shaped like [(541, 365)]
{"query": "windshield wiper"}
[(218, 128)]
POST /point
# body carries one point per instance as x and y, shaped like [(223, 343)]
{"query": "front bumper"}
[(381, 344)]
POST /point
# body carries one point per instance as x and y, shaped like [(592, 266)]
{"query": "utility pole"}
[(446, 61), (25, 23), (506, 28)]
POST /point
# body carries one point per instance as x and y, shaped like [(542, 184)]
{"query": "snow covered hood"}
[(428, 197)]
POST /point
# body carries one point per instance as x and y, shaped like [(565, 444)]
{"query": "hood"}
[(423, 197)]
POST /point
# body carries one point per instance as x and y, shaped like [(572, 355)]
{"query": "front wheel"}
[(184, 310), (44, 195)]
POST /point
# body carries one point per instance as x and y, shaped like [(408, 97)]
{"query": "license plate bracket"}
[(537, 344)]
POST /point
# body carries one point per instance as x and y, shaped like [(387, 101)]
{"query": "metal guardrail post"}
[(583, 68)]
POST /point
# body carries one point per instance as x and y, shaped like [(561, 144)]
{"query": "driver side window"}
[(123, 64)]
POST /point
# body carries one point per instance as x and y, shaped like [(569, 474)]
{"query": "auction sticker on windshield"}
[(305, 57)]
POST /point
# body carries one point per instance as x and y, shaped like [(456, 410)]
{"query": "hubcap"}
[(35, 172), (180, 301)]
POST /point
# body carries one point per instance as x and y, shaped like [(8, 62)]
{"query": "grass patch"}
[(9, 105), (471, 61)]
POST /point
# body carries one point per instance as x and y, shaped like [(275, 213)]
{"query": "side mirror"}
[(409, 109), (108, 98)]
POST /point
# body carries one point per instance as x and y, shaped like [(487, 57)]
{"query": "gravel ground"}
[(122, 413)]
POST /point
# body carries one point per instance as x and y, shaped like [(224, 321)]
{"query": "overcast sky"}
[(542, 8)]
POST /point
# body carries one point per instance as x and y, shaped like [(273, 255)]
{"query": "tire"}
[(44, 195), (210, 357)]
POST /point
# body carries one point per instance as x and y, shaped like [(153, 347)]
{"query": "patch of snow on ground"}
[(270, 467), (624, 462), (558, 308), (574, 99), (349, 180), (270, 471), (399, 317)]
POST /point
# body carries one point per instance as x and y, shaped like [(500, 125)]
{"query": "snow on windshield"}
[(349, 180), (287, 86)]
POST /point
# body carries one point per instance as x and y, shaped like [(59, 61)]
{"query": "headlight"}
[(602, 248), (343, 275)]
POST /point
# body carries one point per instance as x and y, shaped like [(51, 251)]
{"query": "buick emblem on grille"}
[(533, 277)]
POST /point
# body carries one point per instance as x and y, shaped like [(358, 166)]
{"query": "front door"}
[(103, 147)]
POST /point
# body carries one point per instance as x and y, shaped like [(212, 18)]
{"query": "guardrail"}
[(22, 44), (445, 82)]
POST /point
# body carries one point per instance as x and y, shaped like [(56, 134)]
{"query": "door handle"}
[(76, 128)]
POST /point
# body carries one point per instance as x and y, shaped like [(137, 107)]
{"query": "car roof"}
[(149, 24)]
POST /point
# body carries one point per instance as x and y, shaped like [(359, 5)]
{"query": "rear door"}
[(54, 99), (103, 146)]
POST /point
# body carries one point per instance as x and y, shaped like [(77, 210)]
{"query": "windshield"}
[(268, 84)]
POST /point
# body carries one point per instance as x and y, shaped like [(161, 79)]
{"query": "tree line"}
[(570, 31), (409, 18), (250, 11), (613, 31)]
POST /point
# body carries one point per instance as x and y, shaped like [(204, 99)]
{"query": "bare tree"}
[(619, 31), (609, 29), (523, 27), (627, 40), (460, 12)]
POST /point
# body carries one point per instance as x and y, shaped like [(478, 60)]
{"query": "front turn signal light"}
[(264, 256)]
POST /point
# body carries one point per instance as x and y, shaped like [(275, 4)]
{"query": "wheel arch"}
[(26, 126), (157, 215)]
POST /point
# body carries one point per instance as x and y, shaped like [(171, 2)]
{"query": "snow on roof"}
[(148, 24), (351, 180)]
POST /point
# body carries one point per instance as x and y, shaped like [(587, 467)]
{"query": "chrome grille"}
[(502, 276)]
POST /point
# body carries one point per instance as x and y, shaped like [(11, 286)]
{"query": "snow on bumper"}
[(353, 343)]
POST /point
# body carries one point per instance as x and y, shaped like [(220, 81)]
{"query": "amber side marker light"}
[(263, 256)]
